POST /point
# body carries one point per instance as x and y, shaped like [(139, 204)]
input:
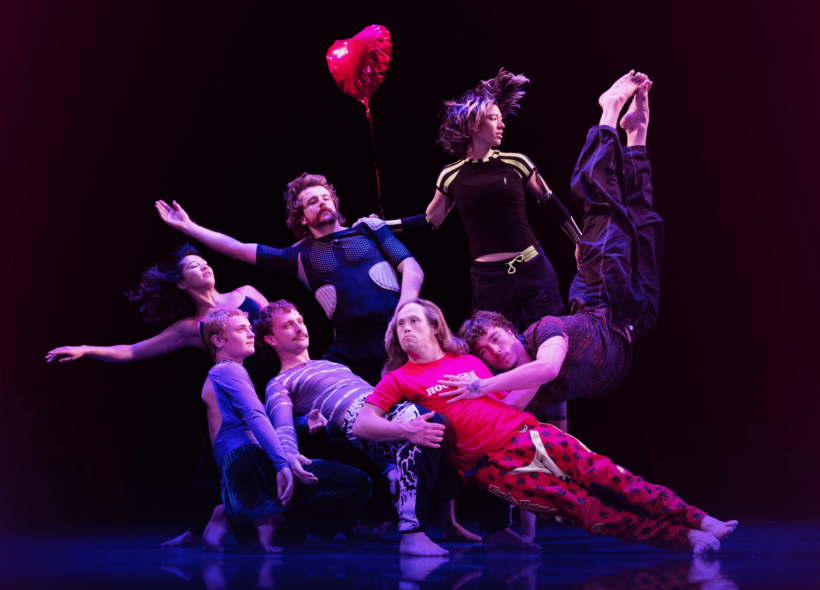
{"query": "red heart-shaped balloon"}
[(358, 64)]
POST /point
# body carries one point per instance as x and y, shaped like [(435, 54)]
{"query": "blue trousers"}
[(322, 509), (622, 244)]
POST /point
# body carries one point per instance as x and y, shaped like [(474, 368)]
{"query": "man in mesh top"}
[(351, 271)]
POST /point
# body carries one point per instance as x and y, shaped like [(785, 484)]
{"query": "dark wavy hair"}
[(461, 117), (396, 357), (479, 323), (294, 206), (263, 326), (158, 295)]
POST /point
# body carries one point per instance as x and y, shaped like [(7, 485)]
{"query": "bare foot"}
[(528, 525), (361, 531), (186, 538), (614, 99), (506, 540), (702, 542), (267, 531), (459, 534), (718, 528), (217, 528), (420, 544), (636, 120)]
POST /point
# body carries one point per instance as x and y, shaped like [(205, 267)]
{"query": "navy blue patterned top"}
[(351, 272)]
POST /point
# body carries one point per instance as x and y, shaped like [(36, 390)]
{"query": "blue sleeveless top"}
[(249, 306)]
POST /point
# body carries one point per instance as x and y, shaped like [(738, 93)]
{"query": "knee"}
[(361, 485)]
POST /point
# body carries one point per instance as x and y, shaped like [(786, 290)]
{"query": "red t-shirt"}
[(480, 425)]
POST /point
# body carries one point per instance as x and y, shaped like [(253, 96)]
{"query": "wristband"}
[(418, 224), (559, 213)]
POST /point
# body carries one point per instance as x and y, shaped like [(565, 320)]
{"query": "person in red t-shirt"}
[(510, 454)]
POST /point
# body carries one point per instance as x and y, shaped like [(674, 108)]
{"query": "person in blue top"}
[(257, 474), (181, 289), (352, 272)]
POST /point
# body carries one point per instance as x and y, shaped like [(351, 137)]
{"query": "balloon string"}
[(375, 165)]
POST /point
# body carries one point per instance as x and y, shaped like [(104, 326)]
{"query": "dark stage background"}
[(108, 106)]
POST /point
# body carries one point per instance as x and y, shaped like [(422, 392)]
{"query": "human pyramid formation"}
[(490, 400)]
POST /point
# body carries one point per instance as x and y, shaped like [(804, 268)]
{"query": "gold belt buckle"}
[(510, 265)]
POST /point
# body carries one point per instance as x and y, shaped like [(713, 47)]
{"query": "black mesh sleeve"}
[(388, 244), (278, 261)]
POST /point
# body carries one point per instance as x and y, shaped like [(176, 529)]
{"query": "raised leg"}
[(609, 249), (614, 99), (648, 224)]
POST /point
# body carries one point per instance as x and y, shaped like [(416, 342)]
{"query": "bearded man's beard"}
[(326, 219)]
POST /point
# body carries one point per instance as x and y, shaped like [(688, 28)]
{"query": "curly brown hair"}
[(294, 205), (480, 323), (263, 326), (461, 117), (396, 357)]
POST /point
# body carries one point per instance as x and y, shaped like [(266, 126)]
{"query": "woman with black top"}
[(181, 289), (510, 273)]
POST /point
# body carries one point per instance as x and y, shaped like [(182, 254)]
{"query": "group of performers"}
[(425, 405)]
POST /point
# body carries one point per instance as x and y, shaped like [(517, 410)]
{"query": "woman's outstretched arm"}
[(179, 335)]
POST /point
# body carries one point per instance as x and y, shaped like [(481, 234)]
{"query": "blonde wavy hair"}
[(215, 325)]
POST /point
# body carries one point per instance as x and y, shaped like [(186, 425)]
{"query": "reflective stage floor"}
[(763, 554)]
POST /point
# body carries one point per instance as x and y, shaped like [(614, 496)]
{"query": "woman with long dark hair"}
[(181, 289)]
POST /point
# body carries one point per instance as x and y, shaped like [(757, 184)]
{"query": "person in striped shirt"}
[(323, 394)]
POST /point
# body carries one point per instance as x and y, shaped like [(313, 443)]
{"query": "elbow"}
[(360, 429), (419, 273)]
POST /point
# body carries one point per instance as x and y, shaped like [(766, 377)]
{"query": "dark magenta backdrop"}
[(105, 108)]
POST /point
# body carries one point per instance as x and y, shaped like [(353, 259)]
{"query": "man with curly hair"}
[(510, 454), (351, 271)]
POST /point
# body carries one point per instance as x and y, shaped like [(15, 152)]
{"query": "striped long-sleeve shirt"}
[(324, 385)]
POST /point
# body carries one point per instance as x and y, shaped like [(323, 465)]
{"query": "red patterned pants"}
[(552, 474)]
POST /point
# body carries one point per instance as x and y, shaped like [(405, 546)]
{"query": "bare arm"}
[(214, 414), (177, 218), (372, 425), (411, 279), (530, 376), (538, 187), (439, 207), (182, 333)]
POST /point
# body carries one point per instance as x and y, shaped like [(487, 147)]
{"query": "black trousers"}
[(523, 297)]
